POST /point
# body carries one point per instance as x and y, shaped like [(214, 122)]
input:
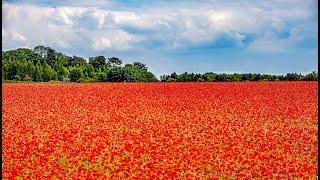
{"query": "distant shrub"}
[(65, 79), (27, 78), (85, 80), (75, 74), (54, 81), (171, 80), (101, 77), (17, 78), (200, 80)]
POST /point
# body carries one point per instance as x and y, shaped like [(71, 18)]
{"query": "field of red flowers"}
[(160, 130)]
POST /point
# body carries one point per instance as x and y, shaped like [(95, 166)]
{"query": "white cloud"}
[(18, 37), (269, 45), (111, 28), (62, 27), (65, 15), (101, 44), (113, 40)]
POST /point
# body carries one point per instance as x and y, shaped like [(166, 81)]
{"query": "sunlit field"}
[(160, 130)]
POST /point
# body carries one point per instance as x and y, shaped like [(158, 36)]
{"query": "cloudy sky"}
[(274, 36)]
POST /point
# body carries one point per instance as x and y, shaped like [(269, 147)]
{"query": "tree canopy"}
[(214, 77), (44, 64)]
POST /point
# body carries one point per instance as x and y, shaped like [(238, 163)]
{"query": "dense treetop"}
[(45, 64), (210, 76)]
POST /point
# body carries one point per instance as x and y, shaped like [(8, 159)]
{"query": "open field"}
[(160, 130)]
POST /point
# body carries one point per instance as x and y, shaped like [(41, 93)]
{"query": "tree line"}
[(43, 64), (223, 77)]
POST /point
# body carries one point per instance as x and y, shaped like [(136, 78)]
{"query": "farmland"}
[(160, 130)]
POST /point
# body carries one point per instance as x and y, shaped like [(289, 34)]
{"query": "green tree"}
[(292, 77), (170, 79), (200, 80), (313, 76), (133, 73), (37, 76), (164, 78), (14, 65), (209, 76), (76, 61), (116, 74), (51, 57), (75, 74), (102, 77), (174, 75), (150, 77), (114, 62), (48, 53), (62, 72), (30, 70), (61, 59), (98, 62), (140, 66), (106, 70), (89, 71), (5, 70), (22, 54), (41, 50), (45, 64), (48, 73), (185, 77), (21, 67)]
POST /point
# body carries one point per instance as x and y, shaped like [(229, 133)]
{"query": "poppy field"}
[(238, 130)]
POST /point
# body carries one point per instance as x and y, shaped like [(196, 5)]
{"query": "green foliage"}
[(54, 81), (17, 77), (209, 76), (85, 80), (185, 77), (164, 78), (200, 80), (37, 76), (50, 57), (101, 77), (21, 54), (133, 74), (114, 62), (76, 61), (130, 73), (311, 76), (116, 74), (45, 64), (30, 70), (75, 74), (66, 79), (48, 73), (41, 50), (98, 62), (61, 59), (150, 77), (140, 65), (170, 79), (62, 72), (27, 78), (213, 77), (5, 70), (89, 71)]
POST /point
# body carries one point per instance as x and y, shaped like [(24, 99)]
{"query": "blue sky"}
[(276, 36)]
